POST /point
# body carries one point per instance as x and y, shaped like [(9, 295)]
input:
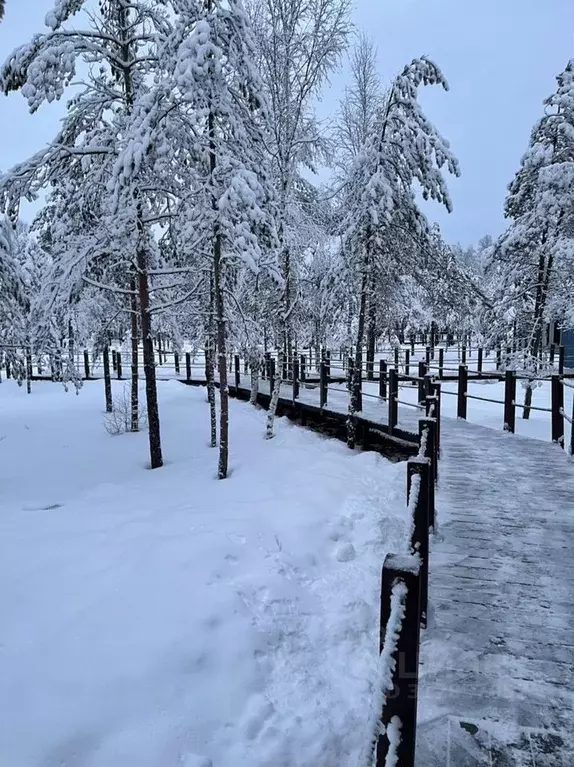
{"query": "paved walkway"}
[(497, 661)]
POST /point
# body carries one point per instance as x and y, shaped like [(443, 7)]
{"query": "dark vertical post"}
[(114, 360), (188, 366), (557, 392), (350, 367), (295, 378), (498, 357), (430, 454), (328, 364), (552, 353), (107, 380), (572, 431), (237, 363), (176, 362), (479, 361), (463, 357), (303, 364), (407, 370), (119, 365), (509, 401), (285, 367), (561, 360), (322, 384), (438, 406), (382, 379), (508, 356), (421, 381), (245, 365), (29, 370), (393, 405), (8, 369), (86, 364), (462, 391), (403, 702), (397, 357), (428, 356), (420, 528), (440, 362)]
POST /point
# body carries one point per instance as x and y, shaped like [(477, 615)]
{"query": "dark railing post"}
[(509, 401), (114, 360), (176, 362), (420, 529), (392, 404), (462, 391), (428, 355), (440, 362), (430, 455), (557, 393), (421, 381), (561, 360), (498, 357), (396, 353), (328, 364), (382, 379), (407, 370), (86, 364), (463, 356), (237, 363), (295, 378), (322, 384), (412, 343), (479, 361), (401, 699), (437, 397), (188, 366), (303, 366), (552, 353), (119, 365)]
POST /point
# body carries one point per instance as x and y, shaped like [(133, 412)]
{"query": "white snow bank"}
[(162, 618)]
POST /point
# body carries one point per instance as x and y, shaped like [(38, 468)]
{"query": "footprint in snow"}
[(345, 552)]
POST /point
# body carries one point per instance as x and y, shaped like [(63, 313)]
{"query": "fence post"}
[(407, 362), (237, 362), (552, 353), (437, 392), (412, 343), (114, 360), (188, 366), (421, 381), (382, 379), (86, 364), (557, 391), (479, 361), (176, 362), (328, 364), (430, 455), (463, 357), (119, 365), (392, 404), (440, 362), (561, 360), (428, 355), (498, 357), (402, 702), (462, 390), (295, 378), (420, 535), (322, 384), (431, 406), (509, 401)]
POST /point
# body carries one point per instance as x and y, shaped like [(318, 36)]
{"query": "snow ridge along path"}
[(497, 661)]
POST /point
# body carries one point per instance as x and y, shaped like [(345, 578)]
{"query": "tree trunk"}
[(156, 458), (274, 399), (210, 366), (355, 381), (254, 364), (222, 359), (107, 379), (134, 426)]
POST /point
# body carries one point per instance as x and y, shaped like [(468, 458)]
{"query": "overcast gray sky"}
[(500, 57)]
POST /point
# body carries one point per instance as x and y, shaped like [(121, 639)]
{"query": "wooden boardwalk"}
[(497, 661)]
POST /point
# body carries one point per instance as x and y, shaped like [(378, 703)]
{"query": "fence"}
[(403, 611)]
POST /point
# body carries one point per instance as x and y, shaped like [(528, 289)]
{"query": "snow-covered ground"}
[(155, 619)]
